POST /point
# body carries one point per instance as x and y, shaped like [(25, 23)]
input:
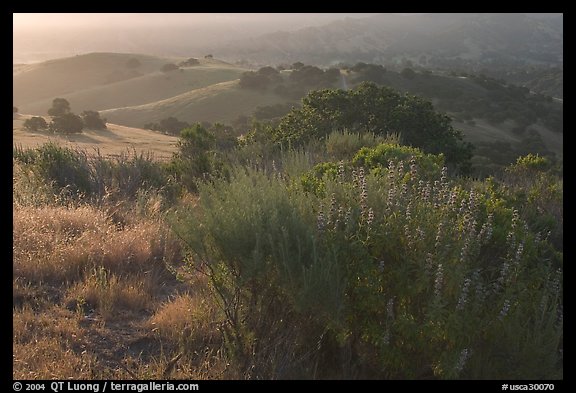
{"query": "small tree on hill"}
[(68, 123), (190, 62), (60, 107), (35, 124), (14, 109), (93, 120), (169, 67)]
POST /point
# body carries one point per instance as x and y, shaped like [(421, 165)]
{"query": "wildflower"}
[(407, 233), (340, 218), (400, 169), (332, 207), (505, 309), (515, 219), (390, 309), (452, 200), (439, 235), (341, 171), (321, 222), (444, 176), (370, 217), (464, 251), (556, 282), (404, 190), (560, 316), (391, 170), (472, 201), (409, 211), (386, 337), (480, 292), (463, 299), (503, 275), (426, 192), (347, 217), (429, 262), (438, 281), (519, 252), (413, 168), (462, 360), (463, 206), (391, 194)]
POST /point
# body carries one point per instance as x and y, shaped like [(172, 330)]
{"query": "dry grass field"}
[(95, 300), (114, 141)]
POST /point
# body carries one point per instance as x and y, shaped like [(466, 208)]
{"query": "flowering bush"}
[(383, 274)]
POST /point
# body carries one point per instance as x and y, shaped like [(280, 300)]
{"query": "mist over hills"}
[(39, 37), (437, 39), (426, 39)]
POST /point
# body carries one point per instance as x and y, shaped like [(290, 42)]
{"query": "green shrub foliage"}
[(378, 110), (395, 272)]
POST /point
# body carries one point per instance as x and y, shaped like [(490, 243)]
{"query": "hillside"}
[(221, 102), (114, 141), (502, 120), (103, 80)]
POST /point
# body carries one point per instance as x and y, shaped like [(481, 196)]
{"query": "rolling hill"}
[(101, 81), (114, 141), (492, 114), (220, 102)]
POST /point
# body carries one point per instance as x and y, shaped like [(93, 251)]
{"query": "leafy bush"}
[(343, 144), (60, 107), (169, 67), (93, 120), (397, 276), (380, 156), (379, 110), (35, 123), (68, 123), (95, 178)]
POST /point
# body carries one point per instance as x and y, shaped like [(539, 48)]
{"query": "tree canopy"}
[(60, 107), (35, 123), (379, 110), (68, 123), (93, 120)]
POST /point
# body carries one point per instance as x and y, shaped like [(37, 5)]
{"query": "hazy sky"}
[(41, 36), (282, 20)]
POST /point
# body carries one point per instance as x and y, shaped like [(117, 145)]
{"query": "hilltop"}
[(100, 81)]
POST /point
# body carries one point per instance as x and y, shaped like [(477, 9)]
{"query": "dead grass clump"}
[(187, 319), (59, 244), (110, 295), (46, 345)]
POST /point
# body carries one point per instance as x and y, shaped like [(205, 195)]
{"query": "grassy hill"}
[(220, 102), (103, 80), (503, 121), (114, 141)]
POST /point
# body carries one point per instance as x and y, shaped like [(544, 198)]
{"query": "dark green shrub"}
[(68, 123), (93, 120), (395, 276), (36, 123)]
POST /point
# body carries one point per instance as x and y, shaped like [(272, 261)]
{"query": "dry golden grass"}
[(62, 244), (47, 345), (95, 300), (114, 141), (187, 319)]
